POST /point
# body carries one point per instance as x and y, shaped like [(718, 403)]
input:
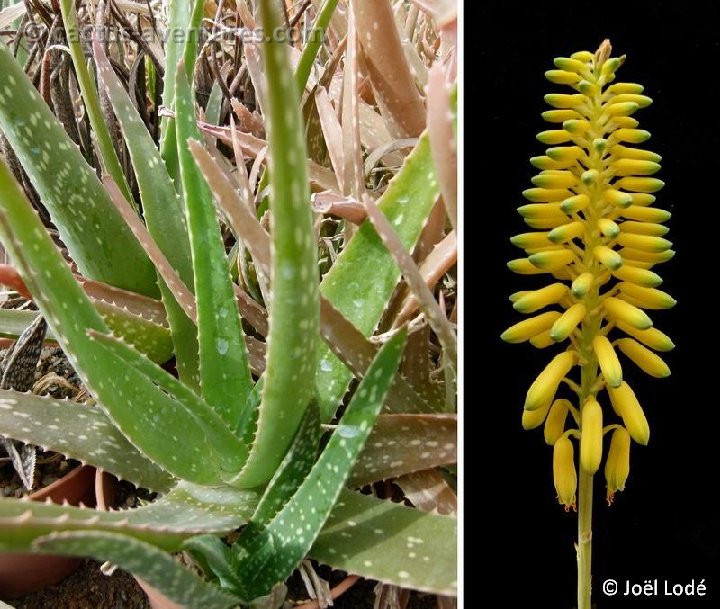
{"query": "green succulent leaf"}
[(295, 310), (360, 283), (229, 452), (269, 555), (139, 408), (225, 378), (391, 543), (79, 432), (162, 211), (146, 561), (98, 240), (313, 44)]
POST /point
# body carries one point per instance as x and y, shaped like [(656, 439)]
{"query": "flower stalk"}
[(598, 235)]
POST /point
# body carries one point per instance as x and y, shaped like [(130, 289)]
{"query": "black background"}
[(666, 523)]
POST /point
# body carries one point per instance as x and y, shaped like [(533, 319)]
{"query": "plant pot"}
[(21, 574)]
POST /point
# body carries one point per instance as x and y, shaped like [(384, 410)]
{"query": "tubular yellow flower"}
[(645, 359), (591, 438), (600, 235), (567, 322), (564, 473), (628, 408), (542, 391), (617, 466), (608, 360), (555, 421)]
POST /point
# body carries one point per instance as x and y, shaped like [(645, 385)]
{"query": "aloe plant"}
[(224, 447)]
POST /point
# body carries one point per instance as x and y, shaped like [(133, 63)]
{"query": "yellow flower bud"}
[(564, 100), (650, 298), (530, 240), (628, 408), (560, 116), (567, 322), (546, 223), (564, 474), (646, 185), (624, 87), (647, 243), (582, 284), (622, 152), (553, 259), (553, 137), (565, 153), (546, 195), (608, 360), (523, 266), (652, 337), (645, 359), (555, 179), (608, 257), (555, 421), (530, 302), (567, 232), (571, 65), (621, 311), (543, 389), (575, 204), (528, 328), (615, 197), (582, 56), (591, 436), (629, 253), (576, 127), (534, 418), (639, 276), (561, 77), (608, 228), (643, 228), (643, 101), (622, 109), (634, 167), (632, 136), (542, 340), (617, 466), (541, 210)]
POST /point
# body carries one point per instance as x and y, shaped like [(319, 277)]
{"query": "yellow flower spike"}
[(534, 418), (553, 259), (621, 311), (615, 197), (647, 243), (559, 116), (629, 253), (566, 232), (608, 361), (617, 466), (529, 302), (608, 257), (575, 204), (652, 337), (646, 185), (646, 360), (564, 474), (626, 405), (555, 421), (582, 284), (561, 77), (649, 297), (608, 228), (591, 436), (635, 153), (567, 322), (599, 234), (635, 167), (545, 385), (631, 136), (555, 180), (528, 328), (641, 277)]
